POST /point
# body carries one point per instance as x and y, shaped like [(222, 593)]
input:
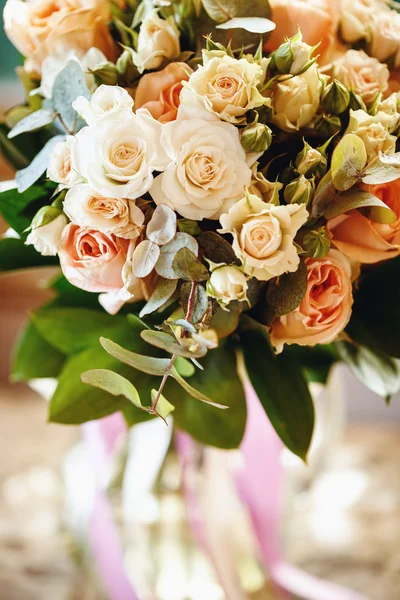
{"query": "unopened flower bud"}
[(256, 137), (336, 98), (105, 73), (316, 243), (308, 160), (299, 191), (226, 284), (293, 55), (356, 102), (328, 125)]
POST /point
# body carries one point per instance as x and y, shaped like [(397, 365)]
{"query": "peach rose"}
[(362, 73), (159, 91), (92, 260), (317, 20), (42, 28), (364, 240), (325, 309)]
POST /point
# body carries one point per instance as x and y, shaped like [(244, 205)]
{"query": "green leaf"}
[(200, 301), (377, 210), (166, 342), (383, 169), (169, 251), (14, 205), (11, 151), (217, 249), (14, 254), (285, 293), (219, 381), (222, 10), (282, 390), (187, 266), (376, 370), (146, 364), (252, 24), (34, 121), (316, 361), (28, 176), (163, 291), (114, 384), (68, 86), (164, 408), (184, 367), (69, 295), (348, 161), (188, 226), (225, 322), (73, 329), (33, 357), (196, 394)]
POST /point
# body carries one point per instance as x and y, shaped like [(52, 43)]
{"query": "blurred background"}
[(342, 515)]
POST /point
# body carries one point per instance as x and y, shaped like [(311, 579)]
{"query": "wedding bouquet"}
[(220, 185)]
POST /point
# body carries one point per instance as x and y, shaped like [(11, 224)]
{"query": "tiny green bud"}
[(283, 57), (293, 56), (316, 243), (328, 125), (309, 159), (105, 73), (299, 191), (336, 98), (45, 215), (256, 137), (125, 66)]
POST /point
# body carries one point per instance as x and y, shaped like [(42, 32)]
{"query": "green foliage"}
[(348, 161), (28, 176), (188, 267), (32, 122), (216, 248), (14, 254), (18, 209), (285, 293), (68, 86), (34, 357)]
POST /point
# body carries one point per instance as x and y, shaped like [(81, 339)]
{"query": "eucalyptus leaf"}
[(383, 169), (144, 259), (164, 264), (146, 364), (33, 122), (161, 228), (163, 291), (285, 293), (200, 301), (28, 176), (360, 199), (188, 226), (196, 394), (114, 384), (164, 408), (68, 86), (348, 161), (216, 248), (166, 342), (188, 267), (252, 24), (225, 322), (184, 367)]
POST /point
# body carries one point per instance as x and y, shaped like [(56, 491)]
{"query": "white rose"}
[(296, 100), (385, 37), (357, 17), (373, 130), (390, 107), (107, 101), (158, 39), (227, 283), (208, 169), (54, 64), (46, 239), (60, 166), (362, 73), (263, 236), (225, 86), (110, 215), (117, 158)]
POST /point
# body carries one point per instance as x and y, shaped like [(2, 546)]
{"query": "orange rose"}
[(325, 309), (42, 28), (364, 240), (317, 20), (159, 92)]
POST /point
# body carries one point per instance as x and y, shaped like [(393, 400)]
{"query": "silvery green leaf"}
[(193, 392), (200, 301), (32, 122), (348, 161), (146, 364), (251, 24), (162, 226), (361, 199), (163, 292), (187, 266), (163, 408), (27, 177), (383, 169), (114, 384), (166, 342), (68, 86), (144, 258), (168, 252)]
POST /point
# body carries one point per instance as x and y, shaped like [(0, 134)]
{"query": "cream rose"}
[(110, 101), (42, 28), (92, 260), (117, 157), (159, 92), (60, 166), (263, 236), (362, 73), (207, 171), (373, 130), (364, 240), (357, 17), (261, 187), (225, 86), (158, 39), (118, 216), (390, 108), (325, 309), (47, 238), (296, 100), (385, 37), (227, 283)]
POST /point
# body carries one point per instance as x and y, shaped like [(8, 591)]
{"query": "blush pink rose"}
[(325, 309), (317, 19), (159, 92), (364, 240), (92, 260)]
